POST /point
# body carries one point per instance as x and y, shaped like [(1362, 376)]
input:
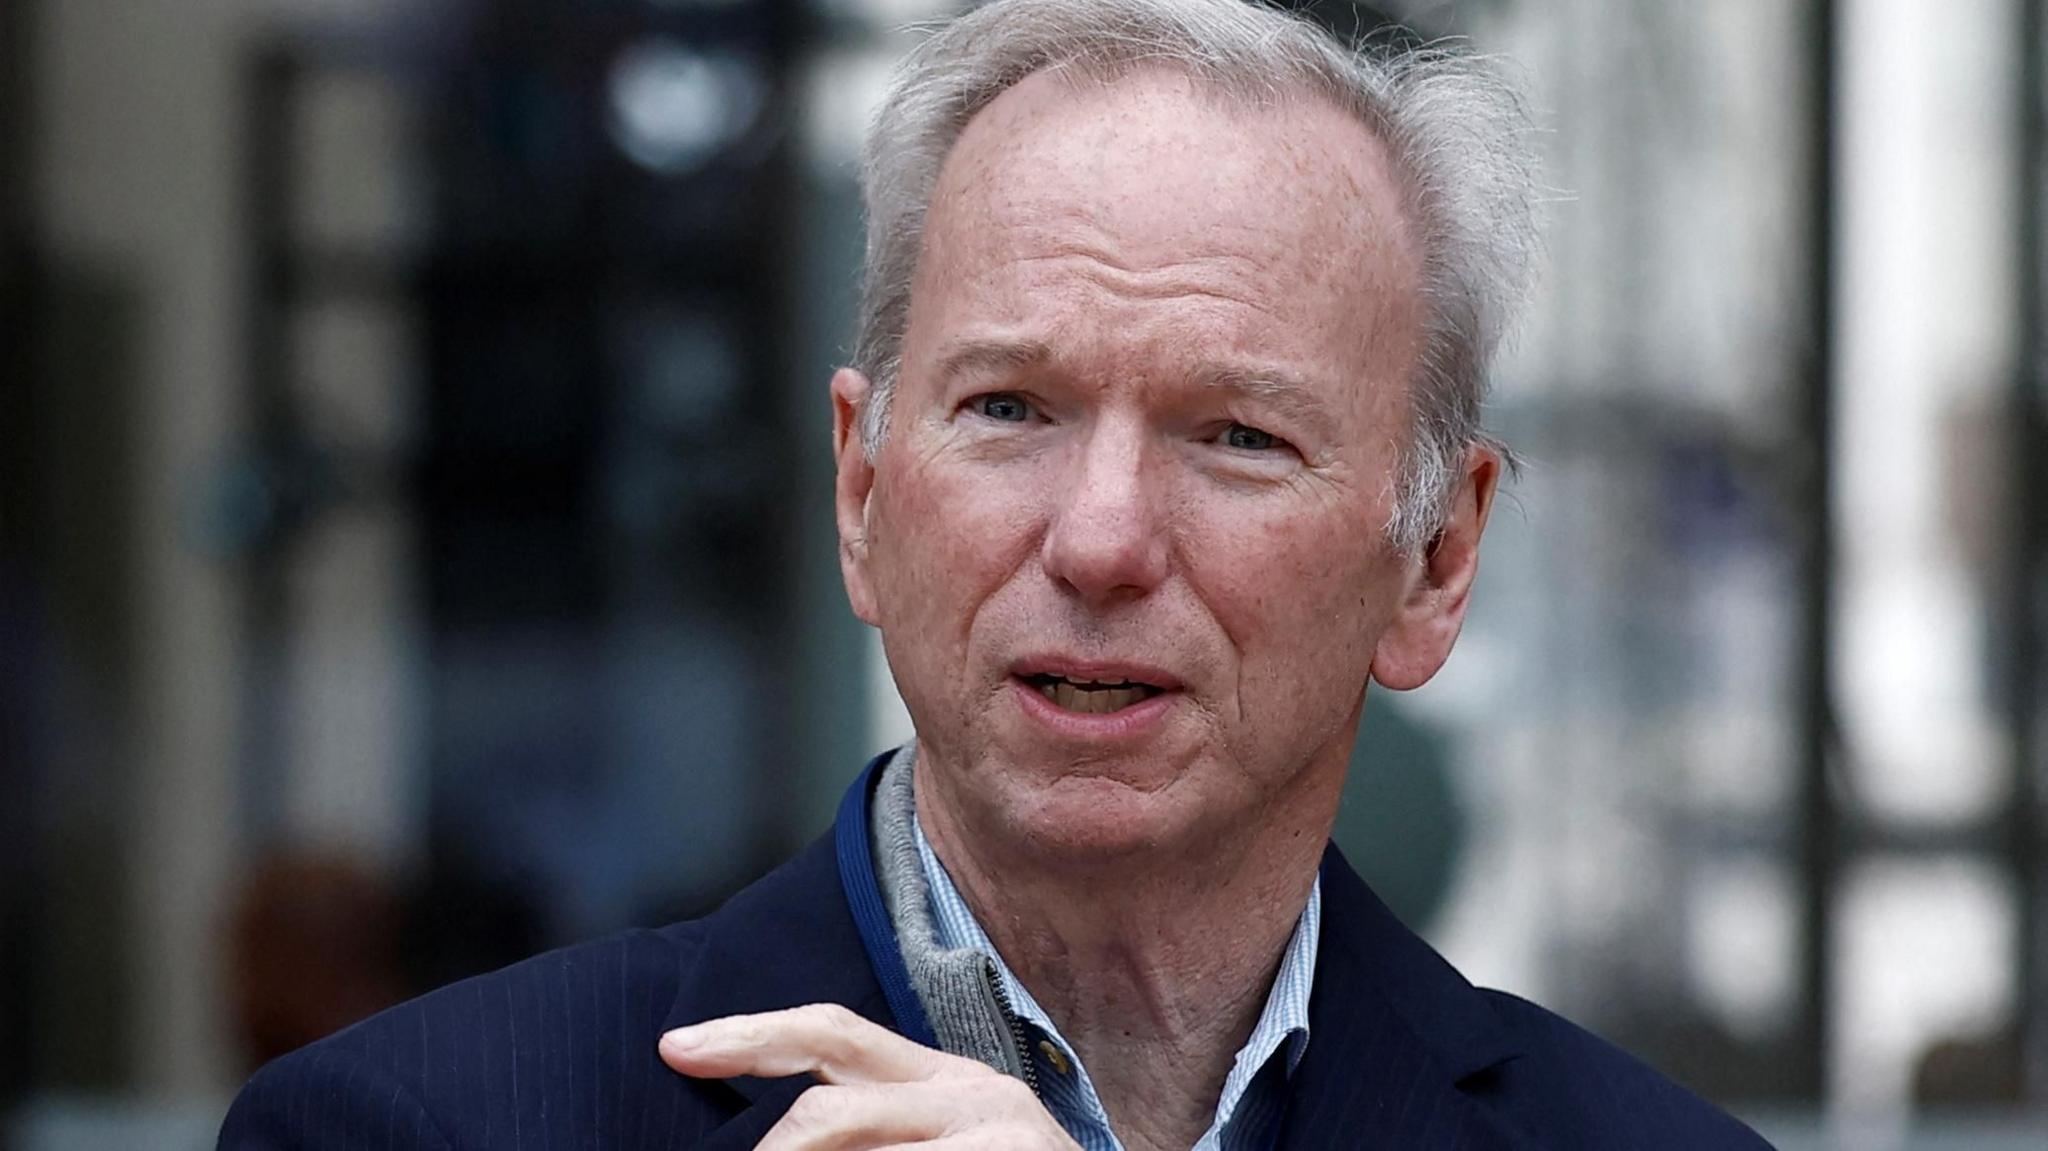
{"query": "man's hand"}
[(878, 1089)]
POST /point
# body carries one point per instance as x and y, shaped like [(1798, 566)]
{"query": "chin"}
[(1095, 815)]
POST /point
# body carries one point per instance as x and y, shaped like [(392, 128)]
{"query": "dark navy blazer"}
[(558, 1052)]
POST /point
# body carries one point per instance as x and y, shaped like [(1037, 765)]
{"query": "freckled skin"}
[(1102, 492)]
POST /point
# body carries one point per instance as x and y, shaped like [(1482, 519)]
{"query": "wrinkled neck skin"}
[(1155, 964)]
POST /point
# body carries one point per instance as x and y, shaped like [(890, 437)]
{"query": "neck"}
[(1154, 967)]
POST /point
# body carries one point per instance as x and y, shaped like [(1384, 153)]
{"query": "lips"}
[(1092, 688)]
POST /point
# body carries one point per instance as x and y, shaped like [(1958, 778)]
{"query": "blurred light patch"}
[(841, 90), (1927, 218), (682, 374), (358, 372), (681, 367), (353, 723), (674, 108), (1925, 950), (1742, 957), (1738, 758), (1925, 746), (358, 186)]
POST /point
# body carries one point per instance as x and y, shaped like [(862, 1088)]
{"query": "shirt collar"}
[(1283, 1020)]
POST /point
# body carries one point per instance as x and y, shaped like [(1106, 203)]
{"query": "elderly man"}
[(1161, 447)]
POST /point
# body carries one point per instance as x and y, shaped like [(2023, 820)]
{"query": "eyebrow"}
[(1291, 394), (993, 356)]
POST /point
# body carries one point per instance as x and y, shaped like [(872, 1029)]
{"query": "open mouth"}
[(1092, 697)]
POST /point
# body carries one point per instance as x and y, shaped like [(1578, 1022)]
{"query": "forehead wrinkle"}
[(1016, 192), (1179, 280), (1309, 182)]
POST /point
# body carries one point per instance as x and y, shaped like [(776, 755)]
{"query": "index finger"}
[(824, 1039)]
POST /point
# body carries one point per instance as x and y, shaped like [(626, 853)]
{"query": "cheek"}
[(943, 541), (1303, 596)]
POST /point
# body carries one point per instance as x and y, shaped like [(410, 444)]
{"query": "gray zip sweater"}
[(958, 988)]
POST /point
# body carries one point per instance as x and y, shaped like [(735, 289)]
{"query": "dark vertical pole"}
[(21, 557), (266, 199), (2024, 539), (1817, 848), (778, 830)]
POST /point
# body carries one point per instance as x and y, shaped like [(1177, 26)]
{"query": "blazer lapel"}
[(786, 941), (813, 931), (1396, 1037)]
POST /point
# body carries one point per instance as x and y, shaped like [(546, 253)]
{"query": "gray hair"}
[(1457, 131)]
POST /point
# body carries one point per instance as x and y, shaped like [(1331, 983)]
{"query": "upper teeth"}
[(1092, 697)]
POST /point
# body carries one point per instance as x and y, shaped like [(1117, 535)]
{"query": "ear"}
[(1439, 583), (855, 482)]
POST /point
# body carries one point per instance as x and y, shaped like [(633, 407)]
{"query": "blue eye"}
[(1249, 439), (1007, 407)]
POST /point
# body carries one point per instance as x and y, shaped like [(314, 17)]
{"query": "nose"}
[(1107, 541)]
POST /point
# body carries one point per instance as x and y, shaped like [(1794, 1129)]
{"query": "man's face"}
[(1125, 538)]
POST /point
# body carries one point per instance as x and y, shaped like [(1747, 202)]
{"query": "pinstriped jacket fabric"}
[(558, 1052)]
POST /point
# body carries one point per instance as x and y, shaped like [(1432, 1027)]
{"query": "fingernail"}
[(683, 1040)]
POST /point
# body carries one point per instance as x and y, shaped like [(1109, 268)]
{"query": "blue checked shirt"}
[(1254, 1093)]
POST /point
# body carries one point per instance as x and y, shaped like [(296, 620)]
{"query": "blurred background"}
[(416, 552)]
